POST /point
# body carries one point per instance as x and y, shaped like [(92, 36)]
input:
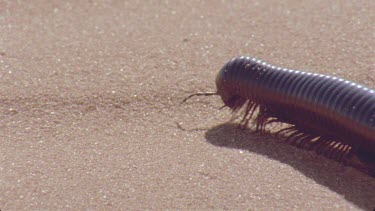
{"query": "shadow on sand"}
[(355, 186)]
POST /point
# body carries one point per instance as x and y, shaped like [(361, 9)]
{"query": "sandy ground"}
[(90, 92)]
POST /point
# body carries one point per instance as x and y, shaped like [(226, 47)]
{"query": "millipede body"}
[(326, 114)]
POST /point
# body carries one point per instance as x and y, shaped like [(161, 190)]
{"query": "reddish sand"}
[(90, 92)]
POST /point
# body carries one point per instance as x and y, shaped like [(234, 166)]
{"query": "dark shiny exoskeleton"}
[(329, 115)]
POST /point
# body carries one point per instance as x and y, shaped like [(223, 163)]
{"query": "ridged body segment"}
[(318, 105)]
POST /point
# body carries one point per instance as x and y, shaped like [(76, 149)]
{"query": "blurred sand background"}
[(90, 93)]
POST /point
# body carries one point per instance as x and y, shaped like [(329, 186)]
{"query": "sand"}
[(90, 115)]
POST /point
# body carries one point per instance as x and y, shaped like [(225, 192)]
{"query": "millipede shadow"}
[(355, 186)]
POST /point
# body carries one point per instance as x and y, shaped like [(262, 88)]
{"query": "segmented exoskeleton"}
[(330, 115)]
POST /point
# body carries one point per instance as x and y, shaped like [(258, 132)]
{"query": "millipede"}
[(326, 114)]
